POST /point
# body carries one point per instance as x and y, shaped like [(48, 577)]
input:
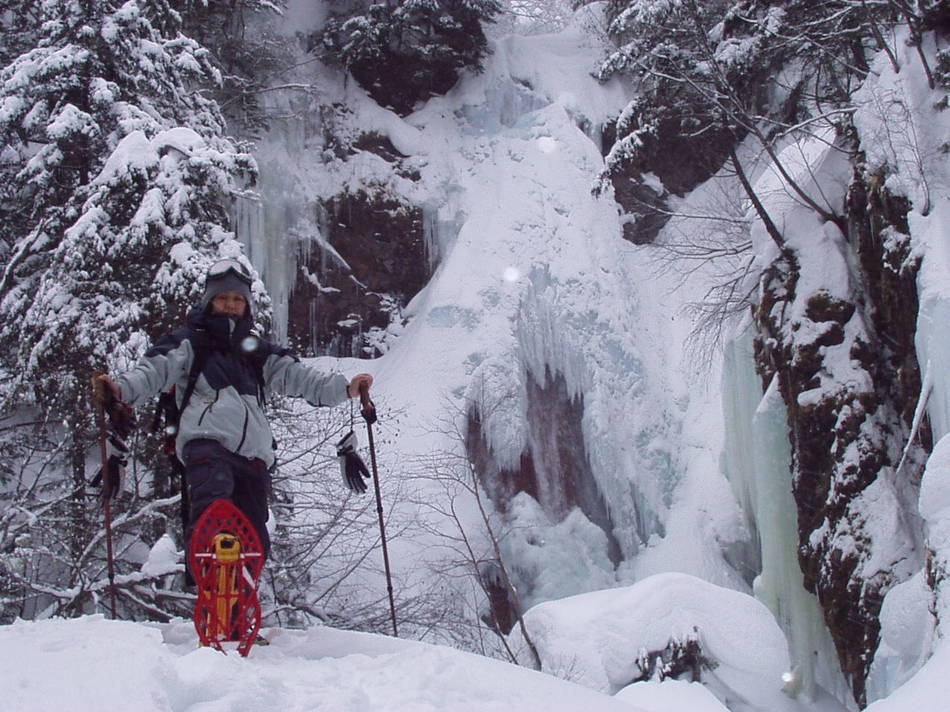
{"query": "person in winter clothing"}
[(224, 440)]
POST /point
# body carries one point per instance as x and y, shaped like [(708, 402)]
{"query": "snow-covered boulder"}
[(610, 639)]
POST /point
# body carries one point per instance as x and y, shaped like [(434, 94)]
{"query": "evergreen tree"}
[(406, 51), (710, 73), (244, 59), (19, 26), (114, 195), (661, 45), (112, 204)]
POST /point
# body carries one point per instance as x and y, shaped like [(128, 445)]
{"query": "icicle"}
[(919, 412)]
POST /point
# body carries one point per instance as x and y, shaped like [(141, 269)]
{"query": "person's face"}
[(229, 304)]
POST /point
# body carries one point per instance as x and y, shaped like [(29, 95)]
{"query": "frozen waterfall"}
[(756, 460)]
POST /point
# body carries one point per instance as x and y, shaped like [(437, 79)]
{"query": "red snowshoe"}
[(226, 559)]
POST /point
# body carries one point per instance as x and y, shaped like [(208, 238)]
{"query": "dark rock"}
[(844, 437), (680, 160), (556, 453), (679, 660), (335, 306)]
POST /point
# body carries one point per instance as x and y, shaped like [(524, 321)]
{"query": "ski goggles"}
[(223, 268)]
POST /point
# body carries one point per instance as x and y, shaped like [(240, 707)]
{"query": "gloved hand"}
[(352, 467), (122, 418)]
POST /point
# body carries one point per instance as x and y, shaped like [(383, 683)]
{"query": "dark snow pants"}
[(214, 472)]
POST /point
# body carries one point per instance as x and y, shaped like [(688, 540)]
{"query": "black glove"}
[(111, 477), (352, 467)]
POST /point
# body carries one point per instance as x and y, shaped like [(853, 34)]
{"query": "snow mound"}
[(671, 695), (596, 639), (926, 690)]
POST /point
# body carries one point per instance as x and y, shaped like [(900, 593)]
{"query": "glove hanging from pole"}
[(111, 475), (352, 467)]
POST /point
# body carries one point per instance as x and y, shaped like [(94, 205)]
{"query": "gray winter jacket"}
[(226, 405)]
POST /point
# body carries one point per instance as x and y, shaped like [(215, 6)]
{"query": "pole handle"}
[(367, 409)]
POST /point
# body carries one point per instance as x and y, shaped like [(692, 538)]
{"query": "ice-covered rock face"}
[(832, 320), (554, 468), (556, 335), (371, 262), (559, 455)]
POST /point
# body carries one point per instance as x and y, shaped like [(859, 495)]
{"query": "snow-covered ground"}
[(91, 664), (593, 641), (95, 665)]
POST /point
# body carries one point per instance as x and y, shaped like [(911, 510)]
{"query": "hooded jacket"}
[(226, 405)]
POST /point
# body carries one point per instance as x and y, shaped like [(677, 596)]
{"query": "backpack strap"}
[(168, 410), (198, 364)]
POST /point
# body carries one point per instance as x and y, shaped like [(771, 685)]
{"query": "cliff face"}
[(835, 311), (670, 161), (353, 288), (842, 353), (371, 260), (843, 357)]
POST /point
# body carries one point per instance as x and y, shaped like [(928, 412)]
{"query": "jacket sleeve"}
[(163, 365), (285, 374)]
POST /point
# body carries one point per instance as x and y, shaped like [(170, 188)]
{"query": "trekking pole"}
[(107, 496), (368, 410)]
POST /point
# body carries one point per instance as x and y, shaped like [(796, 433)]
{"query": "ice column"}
[(268, 222), (757, 460), (933, 354)]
